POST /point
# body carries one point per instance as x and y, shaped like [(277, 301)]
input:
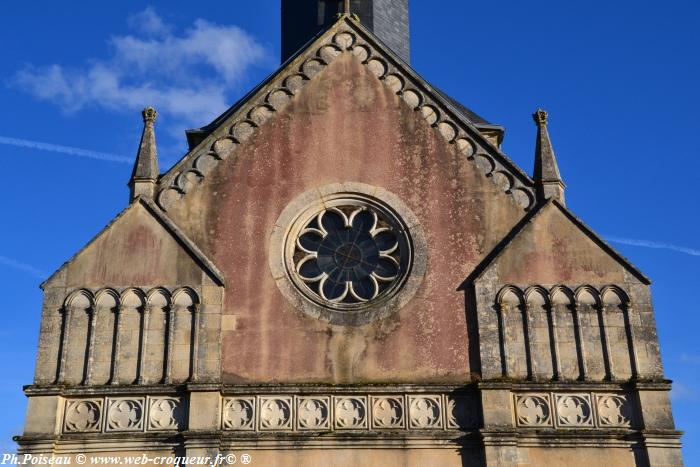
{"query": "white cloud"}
[(29, 269), (148, 22), (656, 245), (187, 76), (681, 392), (689, 358), (103, 156)]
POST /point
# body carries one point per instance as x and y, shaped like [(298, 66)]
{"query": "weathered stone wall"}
[(133, 307), (594, 324), (345, 125), (527, 342)]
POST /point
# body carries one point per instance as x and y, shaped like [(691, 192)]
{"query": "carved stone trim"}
[(275, 413), (123, 414), (165, 414), (533, 410), (425, 412), (613, 410), (313, 413), (350, 412), (277, 94), (238, 414), (83, 416), (388, 412), (572, 410)]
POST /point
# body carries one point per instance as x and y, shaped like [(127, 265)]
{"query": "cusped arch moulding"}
[(130, 297), (274, 96), (584, 295)]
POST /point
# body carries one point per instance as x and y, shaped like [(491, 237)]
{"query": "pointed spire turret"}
[(547, 177), (145, 175)]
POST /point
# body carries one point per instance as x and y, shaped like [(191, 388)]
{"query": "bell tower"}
[(303, 19)]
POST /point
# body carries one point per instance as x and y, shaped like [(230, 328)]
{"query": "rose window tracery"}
[(348, 255)]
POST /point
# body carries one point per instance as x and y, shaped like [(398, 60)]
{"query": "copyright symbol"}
[(230, 459), (80, 459)]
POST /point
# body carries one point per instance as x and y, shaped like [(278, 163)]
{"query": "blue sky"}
[(618, 78)]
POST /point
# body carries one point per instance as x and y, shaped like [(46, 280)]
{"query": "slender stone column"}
[(67, 312), (145, 313), (527, 328), (118, 320), (580, 345), (502, 311), (170, 342), (194, 365), (92, 317), (605, 338), (628, 309), (554, 342)]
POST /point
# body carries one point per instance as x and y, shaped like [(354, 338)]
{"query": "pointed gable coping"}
[(345, 36), (196, 254), (503, 245)]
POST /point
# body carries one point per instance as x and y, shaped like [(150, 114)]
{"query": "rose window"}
[(349, 255)]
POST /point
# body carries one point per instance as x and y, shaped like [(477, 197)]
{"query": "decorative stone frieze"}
[(83, 416), (350, 412), (123, 414), (376, 412), (165, 413), (197, 165), (239, 414), (533, 410), (572, 410), (614, 410), (388, 412), (275, 413), (425, 412), (313, 413)]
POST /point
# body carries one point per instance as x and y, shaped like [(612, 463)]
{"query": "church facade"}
[(346, 270)]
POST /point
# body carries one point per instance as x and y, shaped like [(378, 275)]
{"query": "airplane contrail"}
[(102, 156), (5, 261), (657, 245)]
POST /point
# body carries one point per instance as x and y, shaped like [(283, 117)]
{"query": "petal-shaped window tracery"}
[(349, 255)]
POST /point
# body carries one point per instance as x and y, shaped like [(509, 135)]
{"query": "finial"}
[(346, 7), (149, 115), (546, 175), (540, 117), (146, 172)]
